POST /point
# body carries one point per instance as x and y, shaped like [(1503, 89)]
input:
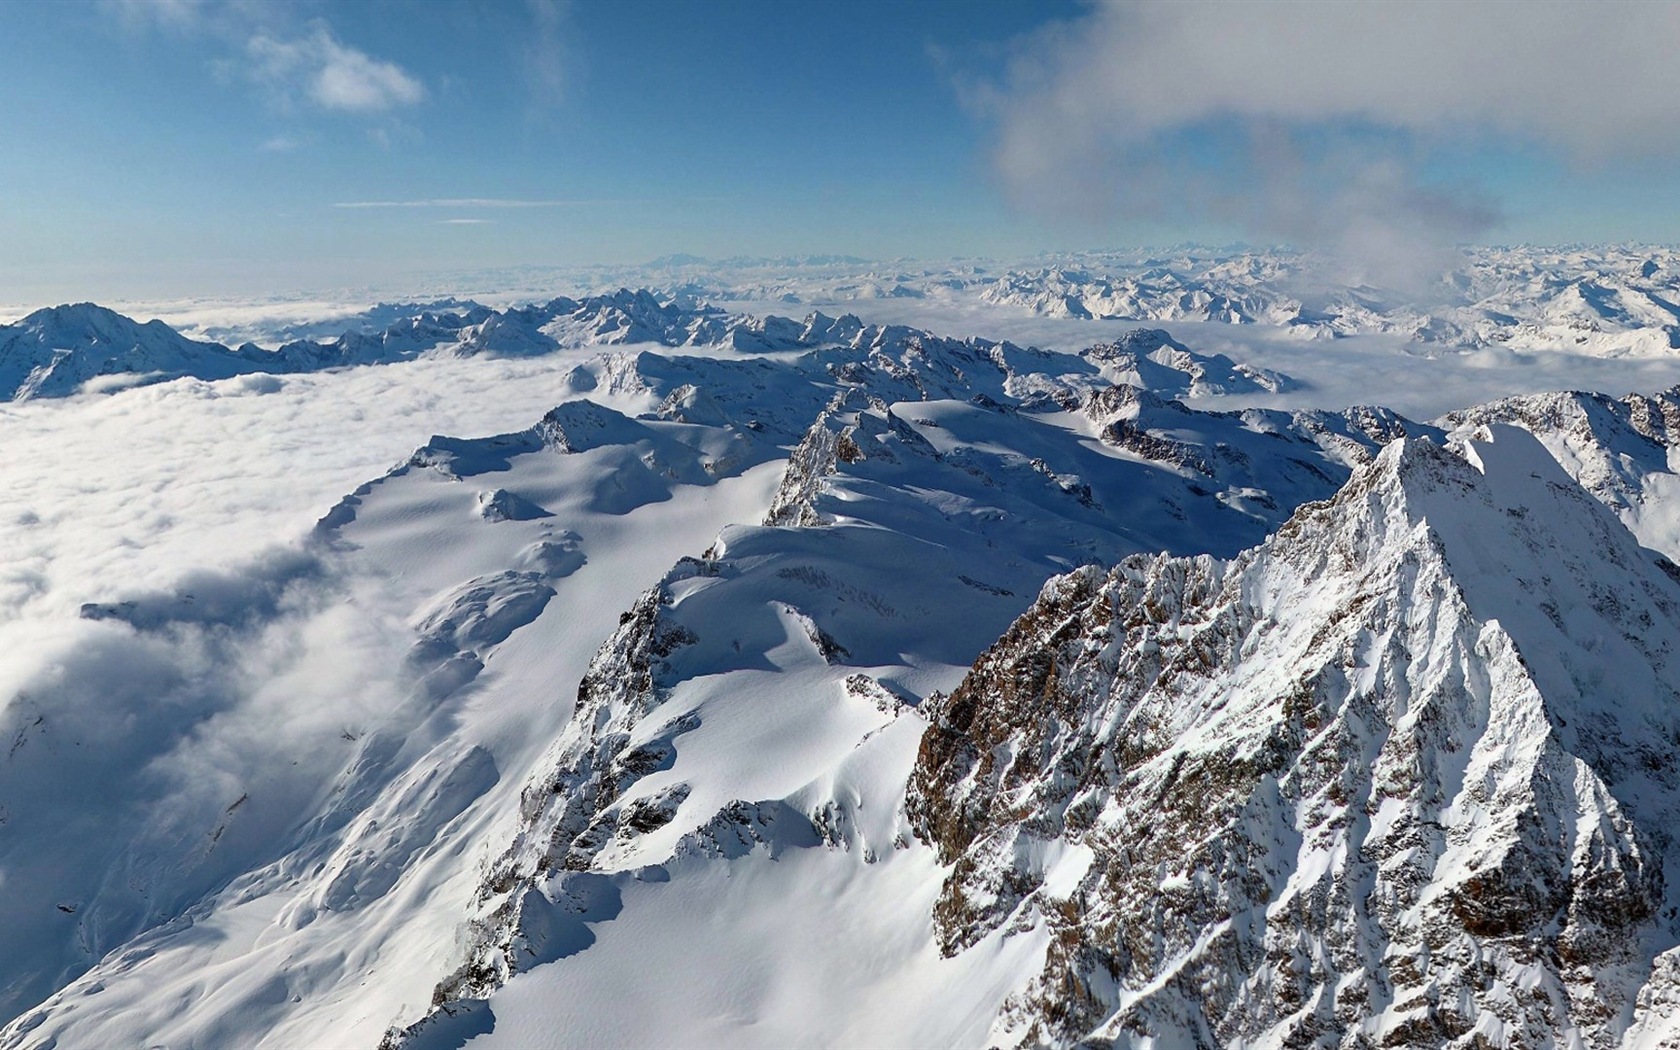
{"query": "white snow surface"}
[(273, 782)]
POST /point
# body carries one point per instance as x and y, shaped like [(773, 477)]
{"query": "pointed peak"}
[(1494, 470), (1507, 464)]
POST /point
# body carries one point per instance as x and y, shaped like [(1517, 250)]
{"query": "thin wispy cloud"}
[(319, 68), (465, 222), (170, 14), (300, 65), (463, 202), (545, 55), (517, 202)]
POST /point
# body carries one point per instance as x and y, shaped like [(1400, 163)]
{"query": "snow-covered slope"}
[(1624, 451), (916, 492), (286, 826), (657, 718), (1403, 775)]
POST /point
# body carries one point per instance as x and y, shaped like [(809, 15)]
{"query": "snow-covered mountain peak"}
[(1149, 357), (899, 475), (1416, 752), (53, 351), (72, 323)]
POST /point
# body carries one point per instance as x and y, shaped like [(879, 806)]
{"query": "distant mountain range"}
[(1603, 302), (57, 351), (1606, 301)]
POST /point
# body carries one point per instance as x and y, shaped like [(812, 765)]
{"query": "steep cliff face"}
[(570, 810), (1402, 776), (818, 455)]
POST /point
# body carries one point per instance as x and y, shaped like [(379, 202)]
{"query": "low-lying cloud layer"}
[(176, 653)]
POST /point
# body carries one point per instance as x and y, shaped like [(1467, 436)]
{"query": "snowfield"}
[(1139, 650)]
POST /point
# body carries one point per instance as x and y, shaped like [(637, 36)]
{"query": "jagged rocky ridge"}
[(1615, 302), (898, 477), (57, 351), (586, 813), (1404, 775), (1612, 301)]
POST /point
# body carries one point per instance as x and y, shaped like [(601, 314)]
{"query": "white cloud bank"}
[(1587, 77), (1332, 105)]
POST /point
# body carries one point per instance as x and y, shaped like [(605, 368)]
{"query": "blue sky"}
[(196, 145)]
